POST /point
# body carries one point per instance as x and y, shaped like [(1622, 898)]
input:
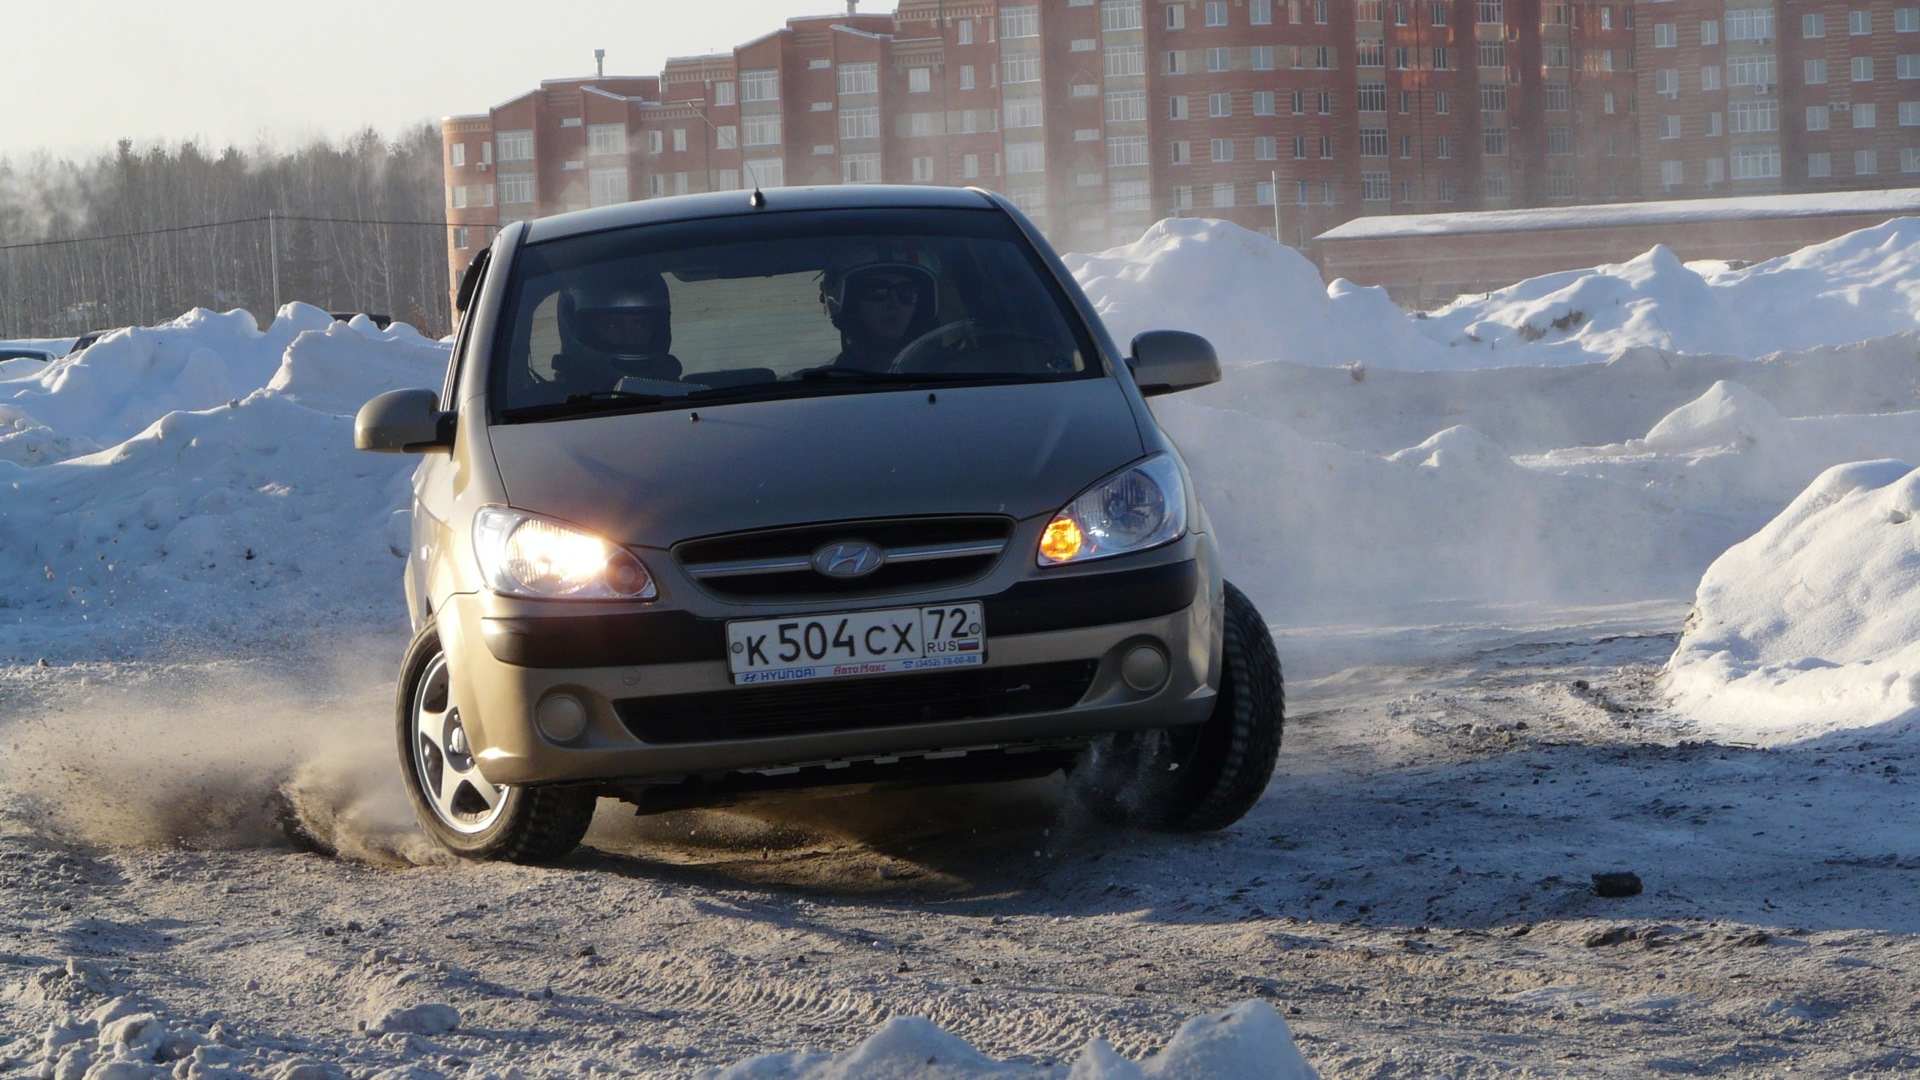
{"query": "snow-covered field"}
[(1610, 570)]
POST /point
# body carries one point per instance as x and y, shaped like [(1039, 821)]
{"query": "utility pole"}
[(273, 251)]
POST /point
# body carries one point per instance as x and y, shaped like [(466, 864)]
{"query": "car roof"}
[(737, 204)]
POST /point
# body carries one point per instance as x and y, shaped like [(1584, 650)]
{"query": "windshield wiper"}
[(595, 401), (858, 377)]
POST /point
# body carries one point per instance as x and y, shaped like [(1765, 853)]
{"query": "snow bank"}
[(1860, 286), (1246, 1042), (1252, 298), (1812, 625)]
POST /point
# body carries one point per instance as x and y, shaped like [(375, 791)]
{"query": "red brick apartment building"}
[(1098, 117), (1779, 96)]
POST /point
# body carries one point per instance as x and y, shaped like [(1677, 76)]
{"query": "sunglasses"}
[(901, 292)]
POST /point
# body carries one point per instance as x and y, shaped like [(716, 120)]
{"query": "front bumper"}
[(662, 707)]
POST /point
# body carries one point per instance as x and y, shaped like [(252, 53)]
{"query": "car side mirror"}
[(1168, 361), (403, 422)]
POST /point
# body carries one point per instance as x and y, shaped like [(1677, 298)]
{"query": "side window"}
[(470, 284)]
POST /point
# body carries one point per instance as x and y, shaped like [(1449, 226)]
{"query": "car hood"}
[(653, 479)]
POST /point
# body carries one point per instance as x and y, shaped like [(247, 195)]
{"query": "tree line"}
[(138, 236)]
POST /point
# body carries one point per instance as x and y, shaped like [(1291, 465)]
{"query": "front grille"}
[(776, 564), (847, 704)]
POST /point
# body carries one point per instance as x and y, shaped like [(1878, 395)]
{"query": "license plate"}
[(856, 643)]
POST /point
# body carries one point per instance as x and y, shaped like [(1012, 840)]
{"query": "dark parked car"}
[(729, 494), (81, 343), (15, 352), (381, 321)]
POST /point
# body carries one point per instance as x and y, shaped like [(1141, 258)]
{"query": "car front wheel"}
[(459, 808), (1207, 776)]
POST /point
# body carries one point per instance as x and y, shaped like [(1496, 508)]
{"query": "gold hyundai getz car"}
[(746, 492)]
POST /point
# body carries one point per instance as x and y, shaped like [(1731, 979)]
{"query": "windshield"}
[(776, 305)]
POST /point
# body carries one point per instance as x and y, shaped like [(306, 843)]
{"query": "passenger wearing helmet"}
[(615, 329), (879, 308)]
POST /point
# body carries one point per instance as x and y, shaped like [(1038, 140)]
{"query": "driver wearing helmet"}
[(879, 308), (610, 330)]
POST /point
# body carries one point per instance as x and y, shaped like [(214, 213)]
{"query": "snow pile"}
[(1812, 625), (1860, 286), (1252, 298), (1246, 1042), (200, 478)]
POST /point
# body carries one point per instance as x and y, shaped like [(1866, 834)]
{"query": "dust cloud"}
[(240, 754)]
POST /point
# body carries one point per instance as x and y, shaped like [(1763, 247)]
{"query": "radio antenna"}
[(757, 200)]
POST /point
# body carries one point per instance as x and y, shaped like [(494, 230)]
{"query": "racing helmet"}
[(845, 287), (625, 318)]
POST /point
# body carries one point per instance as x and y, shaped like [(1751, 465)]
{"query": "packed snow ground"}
[(205, 611)]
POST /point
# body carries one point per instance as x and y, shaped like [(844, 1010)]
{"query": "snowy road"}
[(1413, 896)]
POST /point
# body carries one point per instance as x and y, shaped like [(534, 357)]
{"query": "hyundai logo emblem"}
[(848, 559)]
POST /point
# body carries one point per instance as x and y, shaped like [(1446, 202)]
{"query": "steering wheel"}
[(964, 345)]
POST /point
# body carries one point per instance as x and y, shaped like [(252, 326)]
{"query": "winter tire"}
[(1204, 777), (458, 807)]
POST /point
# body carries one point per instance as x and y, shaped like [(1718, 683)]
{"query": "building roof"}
[(1897, 202)]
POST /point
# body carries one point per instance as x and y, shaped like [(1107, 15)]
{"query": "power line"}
[(241, 221)]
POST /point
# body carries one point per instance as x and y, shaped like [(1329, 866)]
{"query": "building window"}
[(1670, 127), (1666, 83), (1757, 163), (1750, 24), (1863, 69), (1022, 112), (1373, 97), (1443, 146), (862, 78), (1218, 60), (1326, 148), (1223, 149), (1910, 114), (1123, 60), (1820, 165), (1490, 12), (1710, 32), (1440, 102), (1300, 147), (760, 85), (1866, 162), (1816, 72), (1126, 105), (1813, 25), (1126, 196), (1607, 100), (457, 197), (1223, 195), (1262, 57), (1439, 12), (607, 186), (1496, 186), (1266, 148), (1906, 20), (1910, 160), (1026, 157), (1119, 15), (1299, 103), (1020, 22), (1559, 139), (1817, 118), (1020, 68), (1493, 97), (966, 76), (761, 130), (1216, 13), (1713, 125), (515, 190), (1907, 65), (679, 140), (1442, 60), (1124, 150), (1673, 173), (1375, 187), (860, 123), (1559, 97), (1219, 105), (1747, 117), (1709, 78), (606, 139), (1859, 23), (919, 80), (460, 238), (860, 168), (1177, 152), (1176, 60), (1664, 36), (970, 166), (1493, 54), (457, 157), (1865, 116), (1176, 17), (1326, 102), (1493, 141), (1177, 107), (963, 32), (1260, 12), (1753, 70), (1263, 103), (1370, 52), (1373, 142), (515, 145)]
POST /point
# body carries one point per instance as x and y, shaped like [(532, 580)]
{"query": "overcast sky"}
[(82, 74)]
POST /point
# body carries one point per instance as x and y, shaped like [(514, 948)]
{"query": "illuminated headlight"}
[(522, 554), (1140, 507)]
